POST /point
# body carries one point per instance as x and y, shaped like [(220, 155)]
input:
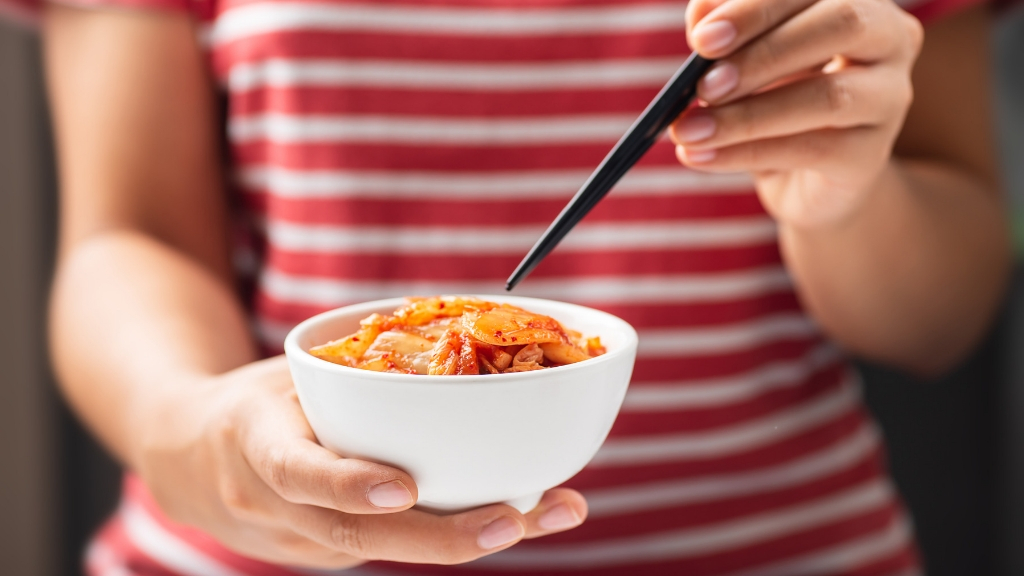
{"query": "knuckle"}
[(914, 31), (744, 122), (810, 150), (223, 431), (765, 54), (754, 155), (349, 536), (449, 553), (341, 487), (277, 465), (235, 498), (837, 94), (226, 434), (853, 17)]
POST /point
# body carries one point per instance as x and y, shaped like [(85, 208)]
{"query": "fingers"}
[(278, 477), (717, 27), (786, 44), (422, 537), (303, 472), (412, 535), (825, 150), (855, 97), (283, 546), (820, 84), (259, 529), (279, 446), (559, 510)]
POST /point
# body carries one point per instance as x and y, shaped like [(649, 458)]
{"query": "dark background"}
[(956, 445)]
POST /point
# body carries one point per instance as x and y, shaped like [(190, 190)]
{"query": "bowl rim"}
[(295, 352)]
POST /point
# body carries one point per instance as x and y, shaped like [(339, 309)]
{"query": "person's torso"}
[(415, 148)]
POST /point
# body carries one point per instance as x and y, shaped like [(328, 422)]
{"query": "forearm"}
[(134, 323), (914, 275)]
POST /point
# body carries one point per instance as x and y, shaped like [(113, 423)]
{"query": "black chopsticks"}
[(645, 131)]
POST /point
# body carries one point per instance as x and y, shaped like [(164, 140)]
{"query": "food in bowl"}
[(467, 440), (456, 335)]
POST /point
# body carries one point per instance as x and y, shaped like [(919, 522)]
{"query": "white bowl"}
[(467, 441)]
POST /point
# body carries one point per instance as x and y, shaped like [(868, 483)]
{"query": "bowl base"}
[(524, 504)]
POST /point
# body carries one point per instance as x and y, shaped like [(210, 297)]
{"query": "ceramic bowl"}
[(467, 441)]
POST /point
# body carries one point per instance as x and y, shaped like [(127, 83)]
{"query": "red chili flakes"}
[(513, 338), (440, 305), (355, 339)]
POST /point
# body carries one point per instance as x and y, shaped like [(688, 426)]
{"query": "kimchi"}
[(446, 335)]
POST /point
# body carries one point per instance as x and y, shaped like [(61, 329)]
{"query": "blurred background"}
[(956, 445)]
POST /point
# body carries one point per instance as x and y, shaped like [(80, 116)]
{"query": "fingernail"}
[(700, 156), (392, 494), (561, 517), (695, 127), (714, 36), (500, 532), (719, 81)]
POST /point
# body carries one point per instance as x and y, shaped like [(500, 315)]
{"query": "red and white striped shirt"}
[(395, 147)]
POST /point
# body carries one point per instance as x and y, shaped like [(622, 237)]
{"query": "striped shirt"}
[(400, 147)]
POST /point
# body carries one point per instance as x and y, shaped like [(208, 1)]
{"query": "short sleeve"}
[(28, 11)]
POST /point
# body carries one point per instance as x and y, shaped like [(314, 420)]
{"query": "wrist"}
[(831, 209)]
